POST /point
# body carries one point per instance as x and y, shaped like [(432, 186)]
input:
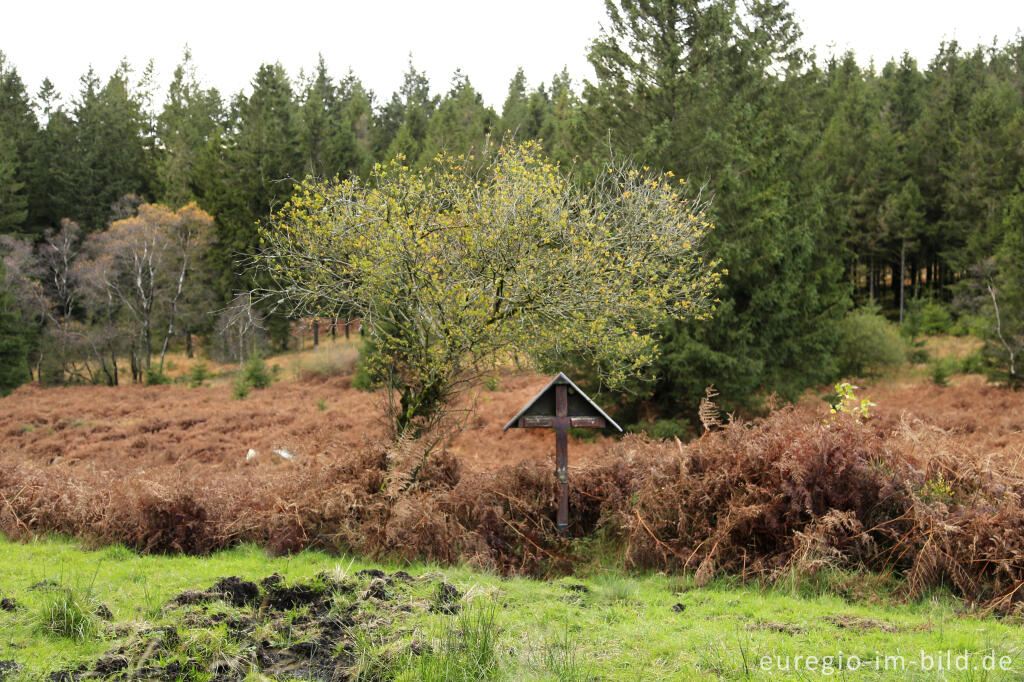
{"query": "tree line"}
[(831, 184)]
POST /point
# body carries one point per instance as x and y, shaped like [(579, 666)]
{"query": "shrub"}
[(926, 316), (917, 354), (155, 377), (665, 429), (971, 325), (975, 363), (241, 388), (256, 374), (198, 374), (363, 379), (868, 344), (940, 371)]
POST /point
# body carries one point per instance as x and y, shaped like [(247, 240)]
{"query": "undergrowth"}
[(756, 500)]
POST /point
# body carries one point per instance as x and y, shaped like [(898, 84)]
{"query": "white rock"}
[(251, 455)]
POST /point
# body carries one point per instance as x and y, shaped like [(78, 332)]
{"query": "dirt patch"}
[(772, 626), (8, 668), (301, 631), (446, 599), (859, 624)]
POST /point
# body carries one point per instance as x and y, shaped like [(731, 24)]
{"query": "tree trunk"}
[(903, 271), (871, 279), (316, 332), (188, 344)]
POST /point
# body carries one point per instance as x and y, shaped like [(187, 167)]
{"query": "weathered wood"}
[(586, 422), (562, 455), (536, 422), (561, 406)]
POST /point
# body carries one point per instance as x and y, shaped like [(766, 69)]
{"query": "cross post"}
[(561, 406)]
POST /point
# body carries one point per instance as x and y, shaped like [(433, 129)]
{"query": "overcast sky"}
[(487, 39)]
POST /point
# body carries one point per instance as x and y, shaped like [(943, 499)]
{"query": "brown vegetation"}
[(930, 488)]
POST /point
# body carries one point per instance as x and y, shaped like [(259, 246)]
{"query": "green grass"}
[(604, 625)]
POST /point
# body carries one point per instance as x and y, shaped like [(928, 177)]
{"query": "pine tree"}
[(250, 172), (460, 125), (13, 202), (110, 156), (14, 369), (191, 119), (410, 109), (719, 97), (328, 131), (52, 186), (18, 133)]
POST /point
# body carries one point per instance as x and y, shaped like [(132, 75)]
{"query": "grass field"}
[(599, 625)]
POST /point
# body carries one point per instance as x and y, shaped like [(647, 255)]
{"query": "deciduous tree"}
[(452, 269)]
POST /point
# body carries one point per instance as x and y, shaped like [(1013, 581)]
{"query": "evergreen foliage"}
[(831, 185)]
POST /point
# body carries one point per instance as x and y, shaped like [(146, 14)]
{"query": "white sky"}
[(487, 39)]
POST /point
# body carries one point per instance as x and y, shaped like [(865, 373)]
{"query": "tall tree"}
[(18, 133), (719, 96), (112, 149), (191, 120), (249, 173), (14, 369), (329, 125), (402, 122), (461, 124), (256, 165)]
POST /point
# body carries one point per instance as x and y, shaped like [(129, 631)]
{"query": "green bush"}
[(154, 377), (940, 371), (198, 374), (256, 374), (926, 316), (868, 344), (664, 429), (240, 389), (917, 353), (363, 378), (975, 363), (977, 326)]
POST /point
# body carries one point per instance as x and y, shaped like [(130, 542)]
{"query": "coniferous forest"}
[(844, 198)]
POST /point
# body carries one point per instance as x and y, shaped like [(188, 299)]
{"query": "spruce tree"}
[(14, 369), (719, 97), (18, 133), (191, 119), (460, 125)]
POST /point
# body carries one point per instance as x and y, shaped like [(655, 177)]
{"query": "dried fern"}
[(708, 410)]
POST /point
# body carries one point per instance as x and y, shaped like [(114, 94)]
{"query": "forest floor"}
[(73, 614)]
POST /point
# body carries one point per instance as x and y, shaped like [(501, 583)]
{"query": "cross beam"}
[(561, 423)]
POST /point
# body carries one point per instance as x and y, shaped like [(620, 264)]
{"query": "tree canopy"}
[(455, 266)]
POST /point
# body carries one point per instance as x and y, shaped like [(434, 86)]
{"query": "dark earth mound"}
[(298, 631)]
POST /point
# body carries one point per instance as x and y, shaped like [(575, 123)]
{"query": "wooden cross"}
[(559, 406)]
